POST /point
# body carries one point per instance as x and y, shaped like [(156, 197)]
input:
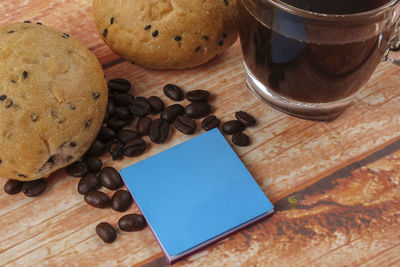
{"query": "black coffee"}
[(337, 6), (296, 59)]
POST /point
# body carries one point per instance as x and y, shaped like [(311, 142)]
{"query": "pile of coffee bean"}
[(120, 137), (121, 200)]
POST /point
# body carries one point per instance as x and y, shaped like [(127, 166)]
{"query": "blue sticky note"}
[(195, 193)]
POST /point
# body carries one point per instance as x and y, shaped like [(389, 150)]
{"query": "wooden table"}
[(336, 185)]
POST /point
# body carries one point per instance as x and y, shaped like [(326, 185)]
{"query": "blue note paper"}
[(195, 193)]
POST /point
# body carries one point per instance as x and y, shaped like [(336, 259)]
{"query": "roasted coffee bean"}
[(110, 110), (185, 125), (143, 126), (134, 147), (232, 127), (119, 85), (156, 104), (159, 131), (97, 199), (174, 92), (110, 178), (13, 187), (121, 200), (116, 124), (94, 164), (115, 148), (198, 96), (111, 94), (139, 108), (111, 142), (127, 135), (171, 112), (132, 222), (96, 149), (77, 169), (106, 134), (245, 118), (88, 183), (106, 232), (142, 98), (210, 122), (198, 109), (34, 188), (240, 139), (123, 100), (123, 113)]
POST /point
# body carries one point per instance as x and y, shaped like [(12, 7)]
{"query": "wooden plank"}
[(347, 219), (342, 220)]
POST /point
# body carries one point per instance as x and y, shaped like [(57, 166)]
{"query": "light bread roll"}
[(53, 98)]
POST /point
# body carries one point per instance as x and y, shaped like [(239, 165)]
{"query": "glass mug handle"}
[(392, 54)]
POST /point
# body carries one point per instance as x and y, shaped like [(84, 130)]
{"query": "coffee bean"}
[(198, 96), (135, 147), (143, 126), (245, 118), (240, 139), (121, 200), (143, 99), (115, 148), (96, 149), (34, 188), (171, 112), (94, 164), (139, 108), (88, 183), (110, 110), (97, 199), (116, 124), (210, 122), (111, 142), (106, 134), (232, 127), (123, 113), (13, 187), (159, 131), (132, 222), (185, 125), (123, 100), (174, 92), (156, 104), (127, 135), (110, 178), (119, 85), (77, 169), (111, 94), (198, 109), (106, 232)]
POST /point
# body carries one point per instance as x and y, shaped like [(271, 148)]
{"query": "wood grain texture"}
[(335, 185)]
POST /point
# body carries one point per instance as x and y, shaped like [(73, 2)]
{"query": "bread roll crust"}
[(53, 98), (167, 34)]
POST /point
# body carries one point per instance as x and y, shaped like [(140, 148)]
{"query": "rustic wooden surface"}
[(336, 186)]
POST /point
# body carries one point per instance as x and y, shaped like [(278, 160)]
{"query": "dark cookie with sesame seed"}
[(52, 100), (169, 34)]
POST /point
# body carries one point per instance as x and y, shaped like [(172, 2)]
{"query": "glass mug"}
[(311, 65)]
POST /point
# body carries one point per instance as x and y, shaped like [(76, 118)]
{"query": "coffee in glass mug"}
[(309, 58)]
